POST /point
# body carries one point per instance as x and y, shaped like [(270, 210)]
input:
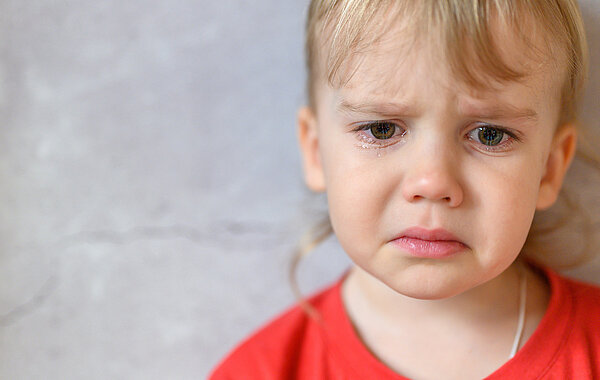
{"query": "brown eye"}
[(490, 136), (383, 130)]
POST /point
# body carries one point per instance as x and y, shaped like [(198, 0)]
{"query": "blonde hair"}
[(339, 30), (345, 28)]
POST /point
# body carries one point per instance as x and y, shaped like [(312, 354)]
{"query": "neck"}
[(405, 333), (487, 302)]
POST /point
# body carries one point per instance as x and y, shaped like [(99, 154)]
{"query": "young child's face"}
[(442, 156)]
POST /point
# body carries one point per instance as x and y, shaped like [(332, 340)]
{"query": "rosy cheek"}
[(510, 205)]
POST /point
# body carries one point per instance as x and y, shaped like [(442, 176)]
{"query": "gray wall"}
[(150, 184)]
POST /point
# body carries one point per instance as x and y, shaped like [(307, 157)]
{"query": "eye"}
[(379, 134), (382, 130), (492, 138)]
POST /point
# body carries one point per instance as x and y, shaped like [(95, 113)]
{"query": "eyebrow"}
[(385, 109), (499, 111)]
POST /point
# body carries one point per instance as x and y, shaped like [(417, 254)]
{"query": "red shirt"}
[(565, 345)]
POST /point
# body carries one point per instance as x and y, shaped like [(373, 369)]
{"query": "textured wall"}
[(150, 183)]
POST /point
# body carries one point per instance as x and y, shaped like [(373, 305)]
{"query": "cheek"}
[(357, 197), (507, 197)]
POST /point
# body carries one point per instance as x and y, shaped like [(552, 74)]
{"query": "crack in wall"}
[(219, 232), (31, 305), (223, 232)]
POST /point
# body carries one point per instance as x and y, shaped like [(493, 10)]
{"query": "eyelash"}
[(503, 146), (371, 142)]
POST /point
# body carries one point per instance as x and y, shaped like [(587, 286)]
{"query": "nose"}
[(433, 176)]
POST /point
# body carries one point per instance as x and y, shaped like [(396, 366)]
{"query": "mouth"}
[(431, 244)]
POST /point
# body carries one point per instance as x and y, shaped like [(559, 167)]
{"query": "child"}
[(437, 128)]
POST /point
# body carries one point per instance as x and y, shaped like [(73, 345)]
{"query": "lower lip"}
[(429, 249)]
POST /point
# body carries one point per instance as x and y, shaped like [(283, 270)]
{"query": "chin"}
[(432, 295), (430, 290)]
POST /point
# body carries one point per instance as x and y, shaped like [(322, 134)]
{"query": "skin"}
[(436, 173)]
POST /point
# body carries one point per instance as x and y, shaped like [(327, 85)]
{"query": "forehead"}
[(393, 71), (400, 46)]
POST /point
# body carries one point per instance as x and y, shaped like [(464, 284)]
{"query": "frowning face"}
[(432, 186)]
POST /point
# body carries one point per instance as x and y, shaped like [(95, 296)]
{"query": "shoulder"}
[(275, 350), (581, 343), (579, 299), (586, 306), (585, 297)]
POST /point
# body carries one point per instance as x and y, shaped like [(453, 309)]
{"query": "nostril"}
[(432, 186)]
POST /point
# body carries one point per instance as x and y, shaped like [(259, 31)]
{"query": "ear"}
[(561, 154), (309, 147)]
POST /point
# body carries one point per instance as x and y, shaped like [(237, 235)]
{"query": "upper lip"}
[(438, 234)]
